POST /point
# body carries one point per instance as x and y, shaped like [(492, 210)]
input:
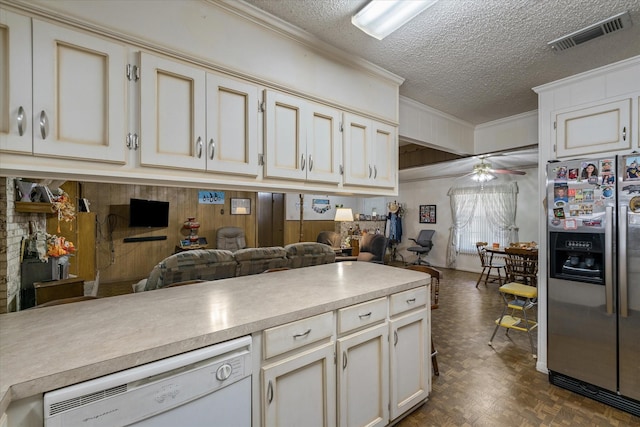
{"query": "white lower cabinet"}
[(363, 378), (363, 365), (409, 356), (300, 390)]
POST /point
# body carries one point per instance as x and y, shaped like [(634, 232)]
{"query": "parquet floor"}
[(494, 386)]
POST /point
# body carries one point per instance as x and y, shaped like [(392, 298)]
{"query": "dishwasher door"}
[(205, 387)]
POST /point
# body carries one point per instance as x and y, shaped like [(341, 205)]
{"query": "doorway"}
[(270, 219)]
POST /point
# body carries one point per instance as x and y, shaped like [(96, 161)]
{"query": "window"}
[(480, 229), (484, 213)]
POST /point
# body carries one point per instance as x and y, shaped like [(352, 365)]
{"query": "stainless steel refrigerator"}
[(593, 224)]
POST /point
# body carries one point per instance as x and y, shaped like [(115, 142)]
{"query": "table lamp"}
[(343, 214)]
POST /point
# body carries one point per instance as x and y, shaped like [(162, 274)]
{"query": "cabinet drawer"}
[(357, 316), (293, 335), (408, 300)]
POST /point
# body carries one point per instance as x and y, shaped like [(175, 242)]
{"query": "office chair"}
[(424, 246)]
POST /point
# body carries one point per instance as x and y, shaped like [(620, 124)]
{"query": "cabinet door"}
[(284, 141), (598, 129), (301, 390), (15, 83), (363, 378), (172, 114), (323, 144), (79, 95), (385, 155), (232, 126), (357, 148), (409, 361)]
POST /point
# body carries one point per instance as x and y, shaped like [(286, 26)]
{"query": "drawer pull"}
[(411, 301), (22, 121), (302, 335), (199, 147), (364, 315), (44, 125), (270, 392)]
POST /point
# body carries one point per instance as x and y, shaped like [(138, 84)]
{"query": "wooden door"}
[(386, 155), (357, 147), (271, 213), (323, 144)]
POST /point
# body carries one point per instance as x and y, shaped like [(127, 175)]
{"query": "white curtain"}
[(463, 203), (500, 201)]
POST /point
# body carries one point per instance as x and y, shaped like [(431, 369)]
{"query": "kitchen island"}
[(48, 348)]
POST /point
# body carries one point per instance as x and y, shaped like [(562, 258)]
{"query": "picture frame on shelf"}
[(240, 206), (427, 214)]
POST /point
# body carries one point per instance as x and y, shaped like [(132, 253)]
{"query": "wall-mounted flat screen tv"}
[(148, 213)]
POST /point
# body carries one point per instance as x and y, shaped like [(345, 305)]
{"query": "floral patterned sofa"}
[(213, 264)]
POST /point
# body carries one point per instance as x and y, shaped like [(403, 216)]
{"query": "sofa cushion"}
[(257, 260), (204, 264), (304, 254)]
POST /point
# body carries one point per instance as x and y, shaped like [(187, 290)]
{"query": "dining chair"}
[(488, 264), (435, 298), (521, 266)]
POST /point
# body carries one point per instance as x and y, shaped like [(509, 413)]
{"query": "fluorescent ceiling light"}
[(380, 18)]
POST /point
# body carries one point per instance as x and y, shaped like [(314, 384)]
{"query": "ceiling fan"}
[(483, 172)]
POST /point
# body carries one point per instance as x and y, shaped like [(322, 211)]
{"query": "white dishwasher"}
[(206, 387)]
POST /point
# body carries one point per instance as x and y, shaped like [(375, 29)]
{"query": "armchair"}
[(373, 248), (230, 238)]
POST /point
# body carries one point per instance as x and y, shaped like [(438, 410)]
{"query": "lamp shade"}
[(344, 214)]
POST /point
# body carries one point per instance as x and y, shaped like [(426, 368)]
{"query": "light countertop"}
[(48, 348)]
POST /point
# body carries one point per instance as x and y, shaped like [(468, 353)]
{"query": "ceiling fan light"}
[(379, 18)]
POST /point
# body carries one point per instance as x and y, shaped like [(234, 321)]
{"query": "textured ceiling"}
[(474, 59)]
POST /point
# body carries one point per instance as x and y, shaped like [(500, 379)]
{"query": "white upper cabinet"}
[(370, 152), (232, 126), (601, 128), (79, 95), (302, 139), (172, 114), (193, 119), (15, 83)]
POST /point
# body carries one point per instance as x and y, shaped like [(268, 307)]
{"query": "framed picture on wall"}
[(240, 206), (428, 214)]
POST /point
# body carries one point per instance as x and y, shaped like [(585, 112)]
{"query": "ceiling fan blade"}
[(509, 171)]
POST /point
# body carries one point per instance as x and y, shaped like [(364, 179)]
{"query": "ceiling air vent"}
[(609, 25)]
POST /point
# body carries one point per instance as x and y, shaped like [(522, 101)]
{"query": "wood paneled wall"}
[(119, 261), (310, 230)]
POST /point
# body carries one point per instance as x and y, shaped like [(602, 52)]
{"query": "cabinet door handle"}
[(22, 121), (310, 163), (212, 148), (624, 133), (344, 360), (364, 315), (304, 334), (411, 301), (395, 338), (369, 171), (375, 172), (270, 392), (136, 142), (303, 162), (199, 147), (44, 125)]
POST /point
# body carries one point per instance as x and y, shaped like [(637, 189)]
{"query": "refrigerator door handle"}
[(622, 262), (608, 260)]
